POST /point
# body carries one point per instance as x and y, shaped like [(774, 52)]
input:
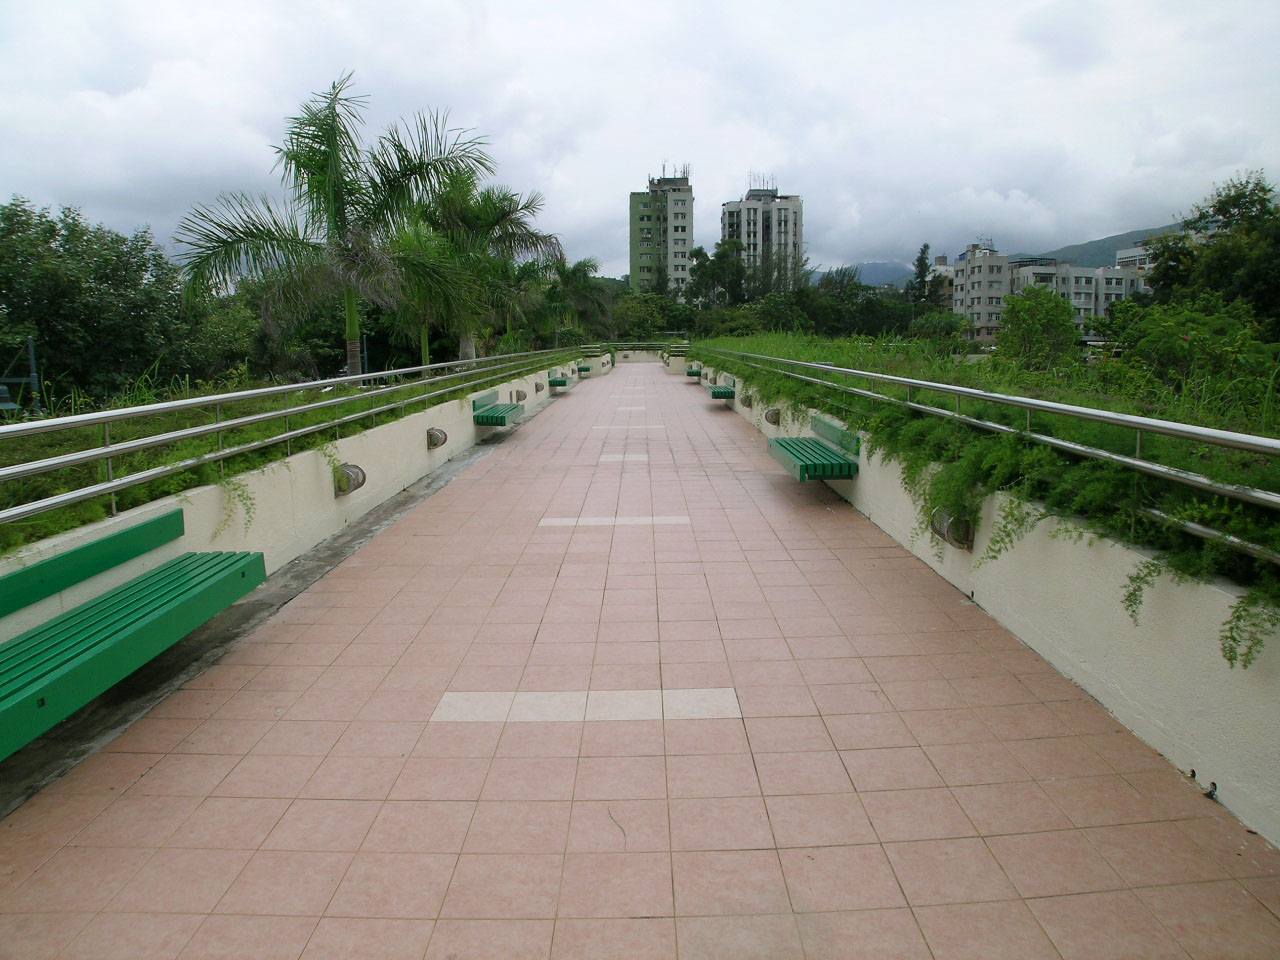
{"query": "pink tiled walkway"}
[(851, 760)]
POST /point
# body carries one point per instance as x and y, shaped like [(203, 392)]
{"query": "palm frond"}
[(242, 236), (438, 282), (321, 159), (407, 170)]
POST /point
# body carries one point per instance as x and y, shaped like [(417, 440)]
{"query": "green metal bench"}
[(486, 411), (808, 458), (692, 372), (559, 382), (51, 671), (723, 391), (584, 369)]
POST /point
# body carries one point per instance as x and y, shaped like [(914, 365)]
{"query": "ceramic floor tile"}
[(358, 938), (473, 707), (840, 878), (877, 933), (547, 706), (984, 931), (491, 940), (739, 938), (624, 705), (700, 704)]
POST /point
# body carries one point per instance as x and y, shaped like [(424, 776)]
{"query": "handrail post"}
[(217, 418), (106, 442)]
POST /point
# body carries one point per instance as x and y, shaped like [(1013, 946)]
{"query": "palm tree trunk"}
[(426, 353), (467, 346), (352, 308)]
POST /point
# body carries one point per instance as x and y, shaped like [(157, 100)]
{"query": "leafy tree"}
[(329, 239), (104, 308), (576, 294), (925, 288), (1037, 329), (943, 325), (1230, 246), (1182, 343), (720, 278)]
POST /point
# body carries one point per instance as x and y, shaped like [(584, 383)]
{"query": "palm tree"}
[(575, 291), (329, 239), (437, 283), (487, 227)]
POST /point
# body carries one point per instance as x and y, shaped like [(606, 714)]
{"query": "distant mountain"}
[(1101, 253), (879, 272)]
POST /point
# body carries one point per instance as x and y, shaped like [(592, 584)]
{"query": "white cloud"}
[(1034, 124)]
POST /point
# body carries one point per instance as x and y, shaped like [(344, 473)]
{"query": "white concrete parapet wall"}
[(1163, 677), (292, 500)]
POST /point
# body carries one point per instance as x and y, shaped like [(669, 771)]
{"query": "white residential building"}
[(980, 282), (982, 278), (770, 226), (1089, 290)]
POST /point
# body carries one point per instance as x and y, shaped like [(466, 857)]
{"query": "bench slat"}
[(41, 693), (53, 575), (118, 610), (81, 619), (497, 414), (807, 458)]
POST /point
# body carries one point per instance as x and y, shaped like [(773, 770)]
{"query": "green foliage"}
[(1184, 342), (953, 467), (925, 288), (1037, 331), (329, 242), (104, 308), (1230, 246), (945, 326)]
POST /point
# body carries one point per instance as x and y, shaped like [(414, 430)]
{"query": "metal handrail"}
[(143, 443), (151, 409), (515, 364), (1187, 431), (1223, 438)]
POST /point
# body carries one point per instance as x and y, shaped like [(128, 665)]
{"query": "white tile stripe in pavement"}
[(709, 703), (632, 426), (623, 457), (611, 521)]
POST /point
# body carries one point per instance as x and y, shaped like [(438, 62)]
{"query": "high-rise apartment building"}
[(770, 226), (661, 224)]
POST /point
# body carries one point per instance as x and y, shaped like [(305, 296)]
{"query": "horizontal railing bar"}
[(1195, 529), (143, 443), (1209, 533), (121, 483), (1186, 431), (1266, 498), (151, 409)]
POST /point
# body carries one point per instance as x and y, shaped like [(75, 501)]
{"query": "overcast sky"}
[(1033, 123)]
